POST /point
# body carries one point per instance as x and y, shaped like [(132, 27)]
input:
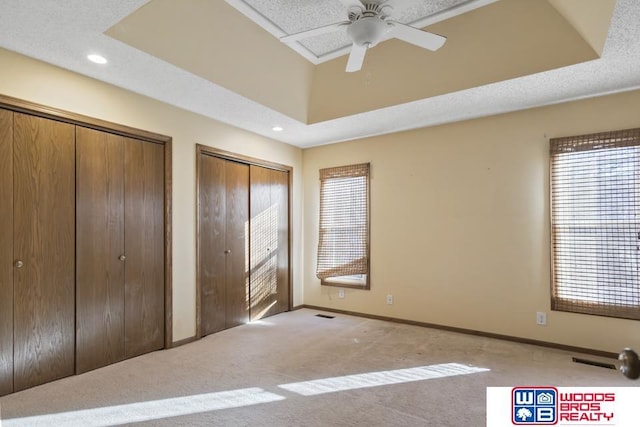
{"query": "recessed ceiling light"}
[(98, 59), (277, 128)]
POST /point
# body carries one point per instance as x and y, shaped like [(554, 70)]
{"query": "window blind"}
[(343, 244), (595, 224)]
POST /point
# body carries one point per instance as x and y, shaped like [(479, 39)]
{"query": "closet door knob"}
[(122, 257), (228, 251), (19, 264)]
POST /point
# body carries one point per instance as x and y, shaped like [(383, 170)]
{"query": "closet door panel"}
[(212, 204), (6, 252), (99, 243), (144, 247), (269, 242), (280, 201), (44, 226), (237, 230), (264, 239)]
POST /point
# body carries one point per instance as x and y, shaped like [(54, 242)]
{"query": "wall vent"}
[(594, 363), (325, 316)]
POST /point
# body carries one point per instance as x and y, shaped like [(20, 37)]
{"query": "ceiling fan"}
[(370, 23)]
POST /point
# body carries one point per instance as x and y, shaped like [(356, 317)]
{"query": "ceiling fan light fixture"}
[(369, 23), (367, 31)]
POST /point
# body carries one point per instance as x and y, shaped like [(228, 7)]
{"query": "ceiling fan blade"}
[(416, 36), (313, 32), (356, 58)]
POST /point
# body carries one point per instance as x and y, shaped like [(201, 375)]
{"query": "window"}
[(595, 224), (343, 244)]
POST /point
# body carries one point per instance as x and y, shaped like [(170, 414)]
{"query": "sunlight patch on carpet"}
[(375, 379), (150, 410)]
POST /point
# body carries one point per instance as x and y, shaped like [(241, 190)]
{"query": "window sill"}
[(347, 282)]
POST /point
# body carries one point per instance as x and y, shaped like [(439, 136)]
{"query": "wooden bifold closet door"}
[(100, 246), (120, 244), (83, 244), (43, 250), (223, 222), (243, 242), (144, 247), (269, 271)]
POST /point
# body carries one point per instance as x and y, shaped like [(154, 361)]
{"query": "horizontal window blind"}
[(595, 224), (343, 244)]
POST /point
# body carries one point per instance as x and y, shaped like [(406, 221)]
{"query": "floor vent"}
[(326, 316), (594, 363)]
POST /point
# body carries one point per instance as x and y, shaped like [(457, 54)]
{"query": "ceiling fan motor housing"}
[(367, 31)]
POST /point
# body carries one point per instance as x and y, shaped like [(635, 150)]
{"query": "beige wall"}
[(35, 81), (460, 223)]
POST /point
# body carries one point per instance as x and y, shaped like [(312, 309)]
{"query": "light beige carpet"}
[(297, 369)]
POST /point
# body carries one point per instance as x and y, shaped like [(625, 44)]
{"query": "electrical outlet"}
[(389, 299), (340, 293), (541, 318)]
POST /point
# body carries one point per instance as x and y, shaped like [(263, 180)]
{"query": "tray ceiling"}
[(499, 41)]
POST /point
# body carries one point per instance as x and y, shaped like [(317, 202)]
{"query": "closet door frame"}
[(38, 110), (204, 150)]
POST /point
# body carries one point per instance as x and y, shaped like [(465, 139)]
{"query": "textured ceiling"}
[(62, 33)]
